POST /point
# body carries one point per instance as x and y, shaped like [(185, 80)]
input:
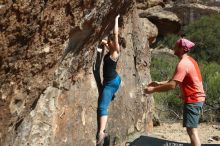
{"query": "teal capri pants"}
[(109, 89)]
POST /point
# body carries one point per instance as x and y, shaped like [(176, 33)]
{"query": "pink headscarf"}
[(185, 44)]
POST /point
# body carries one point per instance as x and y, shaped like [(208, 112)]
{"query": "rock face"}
[(188, 11), (50, 71), (166, 21)]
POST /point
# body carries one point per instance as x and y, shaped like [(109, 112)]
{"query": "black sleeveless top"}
[(109, 68)]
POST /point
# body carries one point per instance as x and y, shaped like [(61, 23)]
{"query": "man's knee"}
[(191, 131)]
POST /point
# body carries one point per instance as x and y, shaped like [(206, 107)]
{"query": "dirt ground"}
[(175, 132)]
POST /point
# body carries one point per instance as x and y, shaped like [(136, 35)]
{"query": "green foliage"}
[(211, 81), (162, 68), (205, 33), (168, 41)]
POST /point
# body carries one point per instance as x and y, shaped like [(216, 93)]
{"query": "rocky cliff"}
[(51, 71), (190, 10)]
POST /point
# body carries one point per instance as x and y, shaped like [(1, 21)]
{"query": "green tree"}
[(205, 33), (211, 80), (168, 40), (162, 68)]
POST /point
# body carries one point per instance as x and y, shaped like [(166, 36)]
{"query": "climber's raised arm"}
[(117, 47)]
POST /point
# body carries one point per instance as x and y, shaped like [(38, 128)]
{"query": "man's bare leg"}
[(194, 136)]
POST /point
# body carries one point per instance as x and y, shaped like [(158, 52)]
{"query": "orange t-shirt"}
[(190, 80)]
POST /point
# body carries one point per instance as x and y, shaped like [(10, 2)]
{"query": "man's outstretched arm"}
[(160, 87)]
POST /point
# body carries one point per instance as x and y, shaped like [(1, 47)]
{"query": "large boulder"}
[(189, 12), (166, 21), (143, 4), (51, 72)]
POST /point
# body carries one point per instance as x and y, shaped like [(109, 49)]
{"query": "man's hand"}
[(149, 90), (150, 87), (154, 84)]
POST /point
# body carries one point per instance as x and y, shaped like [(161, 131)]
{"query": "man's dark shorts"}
[(191, 114)]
